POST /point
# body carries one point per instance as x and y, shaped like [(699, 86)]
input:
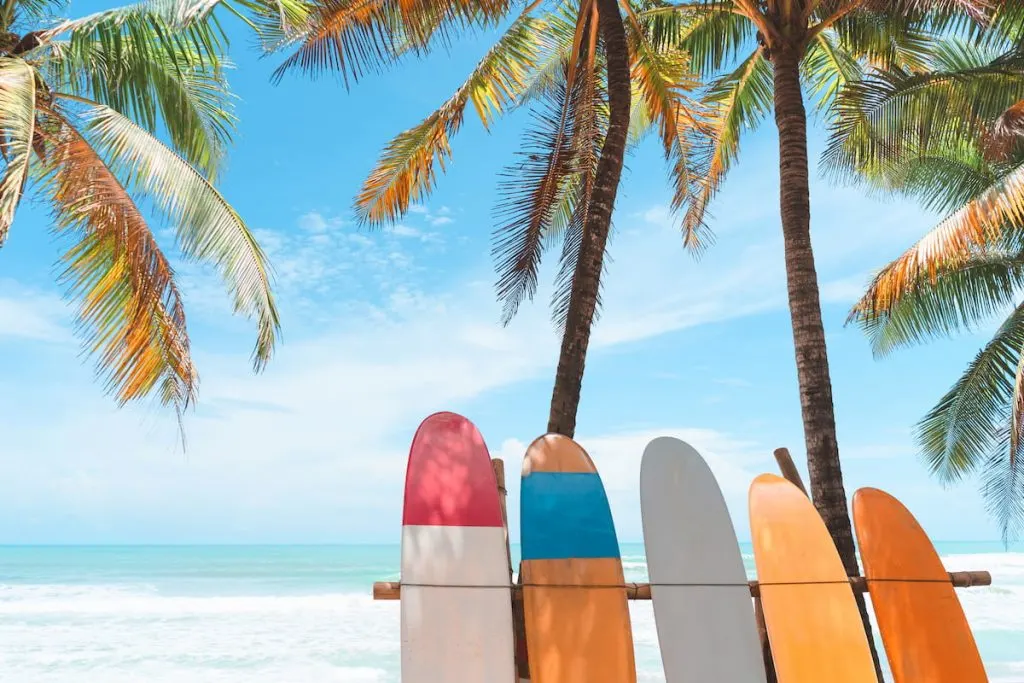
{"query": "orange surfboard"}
[(923, 628), (574, 597), (813, 623)]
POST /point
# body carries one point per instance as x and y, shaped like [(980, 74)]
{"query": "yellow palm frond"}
[(405, 172), (664, 81), (131, 309), (17, 127), (208, 227), (975, 227)]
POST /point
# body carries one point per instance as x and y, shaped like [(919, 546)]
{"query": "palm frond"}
[(962, 428), (405, 173), (827, 67), (558, 147), (665, 81), (17, 130), (351, 37), (739, 101), (161, 83), (208, 228), (131, 311), (940, 304), (713, 38), (896, 114), (1003, 486), (986, 221)]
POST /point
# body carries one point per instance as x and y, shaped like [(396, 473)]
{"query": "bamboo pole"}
[(788, 469), (391, 590)]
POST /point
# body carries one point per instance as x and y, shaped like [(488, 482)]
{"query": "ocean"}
[(304, 614)]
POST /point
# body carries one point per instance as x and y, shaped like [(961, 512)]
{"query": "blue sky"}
[(382, 328)]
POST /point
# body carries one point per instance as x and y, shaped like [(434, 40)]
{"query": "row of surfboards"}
[(456, 607)]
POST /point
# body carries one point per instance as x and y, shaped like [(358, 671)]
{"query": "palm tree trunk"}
[(565, 398), (826, 476)]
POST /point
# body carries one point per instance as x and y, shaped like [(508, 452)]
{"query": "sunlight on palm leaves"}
[(81, 104), (948, 136), (550, 60)]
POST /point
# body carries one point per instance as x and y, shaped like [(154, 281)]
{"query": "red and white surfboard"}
[(456, 589)]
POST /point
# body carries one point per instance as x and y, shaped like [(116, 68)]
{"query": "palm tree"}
[(81, 104), (575, 62), (950, 137), (763, 54)]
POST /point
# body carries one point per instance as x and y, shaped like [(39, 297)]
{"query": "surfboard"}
[(456, 607), (813, 623), (702, 607), (574, 598), (923, 628)]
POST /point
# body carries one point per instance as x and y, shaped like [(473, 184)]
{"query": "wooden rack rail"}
[(391, 590)]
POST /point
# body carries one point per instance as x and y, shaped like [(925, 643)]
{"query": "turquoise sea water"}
[(304, 614)]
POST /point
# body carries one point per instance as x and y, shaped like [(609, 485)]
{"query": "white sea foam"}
[(136, 631)]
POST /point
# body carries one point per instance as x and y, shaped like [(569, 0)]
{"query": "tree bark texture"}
[(565, 397), (826, 477)]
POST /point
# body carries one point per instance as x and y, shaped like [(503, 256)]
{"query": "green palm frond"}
[(556, 148), (827, 68), (405, 173), (1002, 480), (885, 40), (896, 115), (712, 38), (17, 131), (963, 426), (942, 303), (739, 101), (208, 228), (186, 22), (162, 85)]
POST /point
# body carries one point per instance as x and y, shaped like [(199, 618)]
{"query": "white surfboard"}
[(456, 589), (702, 606)]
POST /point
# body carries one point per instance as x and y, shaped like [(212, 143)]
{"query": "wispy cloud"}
[(28, 314)]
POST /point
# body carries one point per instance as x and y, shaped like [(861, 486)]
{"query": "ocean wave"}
[(43, 599)]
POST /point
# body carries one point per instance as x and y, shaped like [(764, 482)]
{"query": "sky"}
[(381, 328)]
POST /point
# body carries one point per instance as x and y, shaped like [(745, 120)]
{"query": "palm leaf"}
[(664, 81), (17, 129), (558, 147), (131, 310), (351, 37), (962, 428), (208, 228), (952, 300), (739, 101), (405, 173), (897, 114), (980, 224), (162, 85)]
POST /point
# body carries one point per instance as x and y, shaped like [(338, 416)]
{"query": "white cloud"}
[(441, 220), (31, 315), (405, 231), (314, 449)]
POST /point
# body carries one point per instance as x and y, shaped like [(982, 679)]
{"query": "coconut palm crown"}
[(950, 136), (109, 119)]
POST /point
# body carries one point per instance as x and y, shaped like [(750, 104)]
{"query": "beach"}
[(304, 614)]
